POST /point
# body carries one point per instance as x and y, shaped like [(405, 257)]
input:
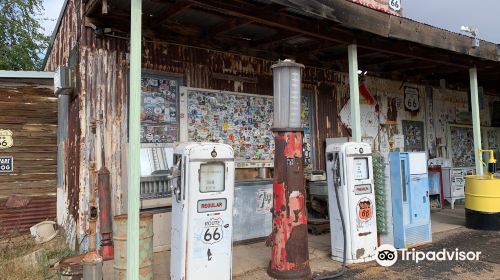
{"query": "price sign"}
[(412, 102), (395, 5), (6, 140), (6, 164)]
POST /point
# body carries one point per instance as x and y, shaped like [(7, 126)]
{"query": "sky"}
[(52, 10), (447, 14), (451, 14)]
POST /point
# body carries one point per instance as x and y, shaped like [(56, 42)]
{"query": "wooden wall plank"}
[(29, 110)]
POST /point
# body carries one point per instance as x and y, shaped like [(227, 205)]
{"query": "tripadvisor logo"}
[(387, 255)]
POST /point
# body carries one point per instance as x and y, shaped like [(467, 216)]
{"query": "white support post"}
[(133, 194), (354, 93), (476, 123)]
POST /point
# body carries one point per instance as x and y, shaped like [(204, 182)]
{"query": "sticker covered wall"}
[(243, 121), (158, 110)]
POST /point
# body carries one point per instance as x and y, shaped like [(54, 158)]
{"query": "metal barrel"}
[(145, 246)]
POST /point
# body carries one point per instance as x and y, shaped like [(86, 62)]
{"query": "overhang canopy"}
[(314, 32)]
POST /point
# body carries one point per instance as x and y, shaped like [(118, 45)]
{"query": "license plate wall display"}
[(243, 121), (159, 99)]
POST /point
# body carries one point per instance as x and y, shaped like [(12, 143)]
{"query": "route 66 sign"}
[(395, 5), (412, 102), (212, 232), (6, 140)]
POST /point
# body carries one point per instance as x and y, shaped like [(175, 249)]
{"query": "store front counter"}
[(252, 216)]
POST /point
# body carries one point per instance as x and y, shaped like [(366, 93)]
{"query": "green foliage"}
[(380, 193), (22, 42)]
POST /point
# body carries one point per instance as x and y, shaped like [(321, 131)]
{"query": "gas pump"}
[(351, 201), (202, 211)]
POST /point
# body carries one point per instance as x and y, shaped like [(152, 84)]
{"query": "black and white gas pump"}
[(351, 199), (202, 211)]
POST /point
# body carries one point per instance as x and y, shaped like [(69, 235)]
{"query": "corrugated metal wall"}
[(21, 217), (29, 109)]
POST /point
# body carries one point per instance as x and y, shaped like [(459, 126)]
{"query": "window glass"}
[(212, 177)]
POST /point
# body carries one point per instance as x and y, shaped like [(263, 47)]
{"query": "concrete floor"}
[(251, 261)]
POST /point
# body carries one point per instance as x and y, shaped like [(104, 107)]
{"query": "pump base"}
[(482, 220), (304, 273)]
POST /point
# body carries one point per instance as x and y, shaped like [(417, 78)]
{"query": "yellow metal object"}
[(482, 193)]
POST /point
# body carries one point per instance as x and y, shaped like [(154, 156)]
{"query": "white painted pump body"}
[(357, 199), (202, 212)]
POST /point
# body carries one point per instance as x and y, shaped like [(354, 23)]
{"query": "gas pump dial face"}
[(360, 168), (212, 177)]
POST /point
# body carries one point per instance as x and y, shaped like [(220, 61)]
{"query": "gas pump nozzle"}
[(337, 182), (175, 173)]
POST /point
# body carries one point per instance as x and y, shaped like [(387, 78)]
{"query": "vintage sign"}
[(212, 232), (264, 201), (6, 164), (6, 140), (365, 209), (412, 103), (212, 205), (388, 6), (362, 189)]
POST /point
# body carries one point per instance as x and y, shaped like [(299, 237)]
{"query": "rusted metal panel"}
[(66, 37), (21, 217), (145, 246), (290, 253)]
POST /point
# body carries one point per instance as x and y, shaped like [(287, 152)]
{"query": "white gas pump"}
[(202, 211), (351, 200)]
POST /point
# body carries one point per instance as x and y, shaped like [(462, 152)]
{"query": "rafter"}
[(173, 10)]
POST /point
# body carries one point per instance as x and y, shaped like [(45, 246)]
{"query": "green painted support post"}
[(476, 123), (133, 194), (354, 93)]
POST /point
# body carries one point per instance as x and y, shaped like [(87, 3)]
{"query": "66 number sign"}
[(6, 140), (412, 103), (395, 5), (212, 232)]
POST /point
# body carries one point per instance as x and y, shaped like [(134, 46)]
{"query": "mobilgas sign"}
[(6, 164)]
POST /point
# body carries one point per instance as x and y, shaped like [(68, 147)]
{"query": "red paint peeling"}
[(289, 208), (293, 148)]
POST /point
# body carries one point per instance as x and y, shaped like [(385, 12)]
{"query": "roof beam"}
[(227, 26), (323, 30), (173, 10), (276, 39)]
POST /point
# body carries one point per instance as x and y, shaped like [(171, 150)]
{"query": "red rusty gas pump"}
[(290, 253)]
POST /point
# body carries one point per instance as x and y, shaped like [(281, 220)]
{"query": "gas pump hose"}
[(343, 269)]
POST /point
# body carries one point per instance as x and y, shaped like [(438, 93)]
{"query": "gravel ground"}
[(488, 266)]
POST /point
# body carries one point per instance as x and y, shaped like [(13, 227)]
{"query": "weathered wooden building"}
[(28, 150), (229, 46)]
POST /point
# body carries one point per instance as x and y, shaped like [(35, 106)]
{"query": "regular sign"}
[(6, 164)]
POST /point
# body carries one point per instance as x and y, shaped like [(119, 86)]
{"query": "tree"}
[(22, 43)]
